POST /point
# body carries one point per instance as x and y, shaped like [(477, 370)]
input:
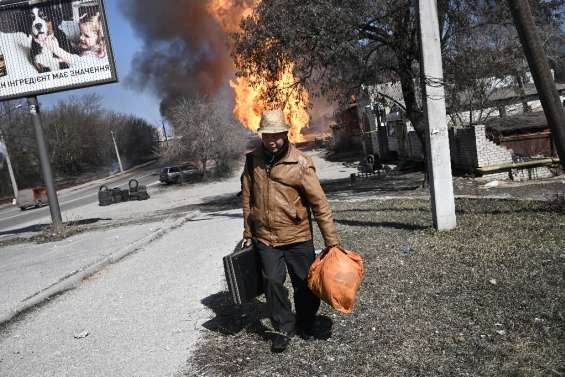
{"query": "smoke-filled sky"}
[(168, 48), (184, 49)]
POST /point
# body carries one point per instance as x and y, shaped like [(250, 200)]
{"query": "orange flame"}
[(249, 106), (229, 13)]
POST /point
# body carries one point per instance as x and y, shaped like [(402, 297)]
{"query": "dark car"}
[(179, 173)]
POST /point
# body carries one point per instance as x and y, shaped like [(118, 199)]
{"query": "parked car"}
[(32, 198), (179, 173)]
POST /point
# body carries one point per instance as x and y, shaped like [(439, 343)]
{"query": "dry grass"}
[(487, 299), (52, 233)]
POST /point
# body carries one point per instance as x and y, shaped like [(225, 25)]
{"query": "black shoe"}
[(280, 342), (307, 333), (313, 330)]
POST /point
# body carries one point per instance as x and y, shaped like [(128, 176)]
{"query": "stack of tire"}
[(137, 191), (105, 197), (119, 195)]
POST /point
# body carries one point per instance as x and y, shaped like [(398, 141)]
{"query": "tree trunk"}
[(414, 113), (204, 171), (533, 49)]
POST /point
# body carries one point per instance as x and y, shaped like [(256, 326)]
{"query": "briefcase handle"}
[(240, 244)]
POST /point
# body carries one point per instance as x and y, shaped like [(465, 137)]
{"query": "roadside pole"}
[(532, 45), (117, 152), (165, 133), (10, 169), (45, 164), (437, 138)]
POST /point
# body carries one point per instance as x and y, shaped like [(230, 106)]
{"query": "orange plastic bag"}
[(335, 276)]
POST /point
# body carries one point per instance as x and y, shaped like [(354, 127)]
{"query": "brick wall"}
[(488, 153), (527, 174), (470, 149)]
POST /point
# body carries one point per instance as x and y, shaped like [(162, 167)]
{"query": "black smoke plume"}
[(185, 49)]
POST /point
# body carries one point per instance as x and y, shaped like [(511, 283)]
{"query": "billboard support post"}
[(45, 164)]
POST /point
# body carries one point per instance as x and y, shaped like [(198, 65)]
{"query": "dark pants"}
[(297, 258)]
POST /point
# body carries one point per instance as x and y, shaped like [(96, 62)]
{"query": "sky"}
[(118, 97)]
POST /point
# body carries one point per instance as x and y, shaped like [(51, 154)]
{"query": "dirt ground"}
[(487, 299)]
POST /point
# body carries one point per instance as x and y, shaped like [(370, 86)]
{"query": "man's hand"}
[(247, 242)]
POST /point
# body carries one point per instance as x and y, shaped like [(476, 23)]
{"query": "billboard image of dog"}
[(53, 46), (44, 24)]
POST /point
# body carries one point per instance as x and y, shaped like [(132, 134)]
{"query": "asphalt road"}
[(70, 198)]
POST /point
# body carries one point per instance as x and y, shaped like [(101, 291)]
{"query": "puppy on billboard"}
[(53, 46), (43, 26)]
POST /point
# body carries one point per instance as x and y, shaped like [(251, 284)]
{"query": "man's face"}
[(274, 142)]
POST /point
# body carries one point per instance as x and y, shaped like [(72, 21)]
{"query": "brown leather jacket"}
[(276, 210)]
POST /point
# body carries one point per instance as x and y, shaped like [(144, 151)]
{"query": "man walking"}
[(280, 190)]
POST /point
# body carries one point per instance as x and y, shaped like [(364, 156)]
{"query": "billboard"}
[(54, 45)]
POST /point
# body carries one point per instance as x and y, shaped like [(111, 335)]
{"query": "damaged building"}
[(507, 144)]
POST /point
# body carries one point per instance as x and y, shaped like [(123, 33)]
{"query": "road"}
[(70, 198)]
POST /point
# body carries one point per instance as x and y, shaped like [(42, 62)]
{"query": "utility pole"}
[(437, 138), (164, 132), (45, 164), (117, 152), (4, 148), (532, 45)]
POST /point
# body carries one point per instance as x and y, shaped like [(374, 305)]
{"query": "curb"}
[(427, 197), (73, 279)]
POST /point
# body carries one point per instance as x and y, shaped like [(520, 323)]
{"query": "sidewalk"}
[(140, 317), (32, 273)]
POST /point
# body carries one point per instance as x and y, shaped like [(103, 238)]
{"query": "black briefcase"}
[(243, 274)]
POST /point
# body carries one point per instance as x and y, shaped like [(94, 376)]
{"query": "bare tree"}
[(205, 130), (486, 57), (77, 136), (338, 46), (78, 133), (135, 137), (15, 126), (335, 47)]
